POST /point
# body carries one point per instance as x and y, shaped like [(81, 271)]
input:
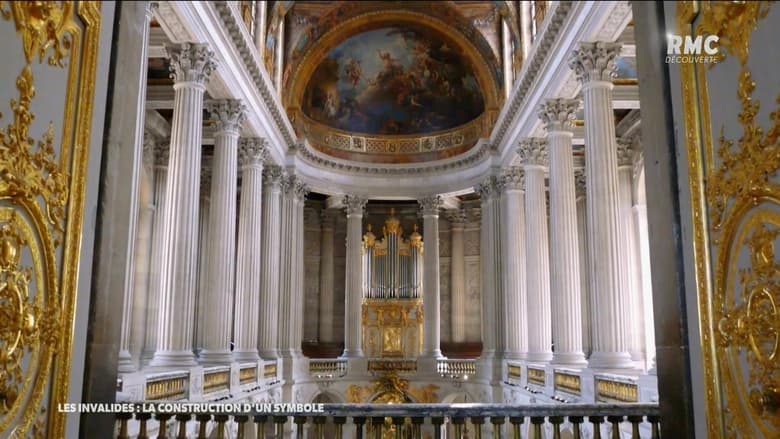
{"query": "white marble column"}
[(353, 293), (582, 234), (558, 116), (490, 265), (630, 262), (192, 64), (526, 36), (594, 65), (228, 116), (533, 155), (133, 336), (203, 252), (457, 220), (291, 270), (431, 288), (156, 268), (251, 155), (270, 263), (326, 277), (514, 263)]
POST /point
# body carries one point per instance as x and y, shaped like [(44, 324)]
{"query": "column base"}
[(268, 354), (538, 357), (248, 356), (569, 359), (126, 363), (215, 357), (352, 353), (173, 359), (432, 354), (610, 360)]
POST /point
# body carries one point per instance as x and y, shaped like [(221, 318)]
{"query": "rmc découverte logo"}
[(689, 49)]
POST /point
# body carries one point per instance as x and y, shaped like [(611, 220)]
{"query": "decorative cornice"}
[(546, 37), (559, 114), (354, 204), (431, 205), (245, 46), (476, 155), (533, 151), (595, 61), (252, 152), (190, 62), (513, 178), (228, 114)]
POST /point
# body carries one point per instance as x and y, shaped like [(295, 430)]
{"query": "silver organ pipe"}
[(392, 265)]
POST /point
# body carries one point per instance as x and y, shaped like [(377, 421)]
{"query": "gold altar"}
[(392, 309), (392, 327)]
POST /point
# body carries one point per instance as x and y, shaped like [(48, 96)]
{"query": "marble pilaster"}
[(457, 220), (326, 299), (490, 254)]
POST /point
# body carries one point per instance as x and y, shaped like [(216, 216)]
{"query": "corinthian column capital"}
[(513, 178), (431, 205), (559, 114), (190, 62), (533, 151), (272, 176), (354, 204), (625, 152), (228, 114), (488, 188), (251, 152), (456, 217), (594, 61)]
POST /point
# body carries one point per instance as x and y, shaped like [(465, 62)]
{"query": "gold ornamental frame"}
[(733, 202), (41, 210)]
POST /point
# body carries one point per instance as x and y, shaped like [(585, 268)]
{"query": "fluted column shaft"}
[(203, 253), (457, 221), (229, 115), (533, 153), (582, 234), (489, 240), (431, 281), (514, 262), (326, 278), (192, 64), (291, 285), (558, 116), (353, 293), (594, 65), (269, 267), (156, 274), (248, 258)]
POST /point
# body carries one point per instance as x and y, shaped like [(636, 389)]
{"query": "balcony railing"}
[(327, 368), (410, 420), (456, 369)]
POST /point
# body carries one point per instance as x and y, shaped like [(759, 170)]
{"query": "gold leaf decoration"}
[(43, 25), (733, 22)]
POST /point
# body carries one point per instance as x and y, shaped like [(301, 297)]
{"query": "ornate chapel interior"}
[(450, 219)]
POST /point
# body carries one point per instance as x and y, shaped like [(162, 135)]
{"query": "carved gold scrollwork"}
[(735, 198), (42, 184)]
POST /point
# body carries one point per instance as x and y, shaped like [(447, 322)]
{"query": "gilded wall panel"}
[(732, 138), (48, 69)]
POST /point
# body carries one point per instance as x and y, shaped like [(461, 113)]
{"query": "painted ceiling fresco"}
[(391, 81)]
